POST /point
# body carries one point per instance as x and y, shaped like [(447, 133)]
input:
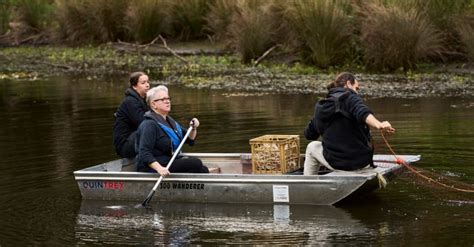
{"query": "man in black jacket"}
[(342, 120), (130, 114)]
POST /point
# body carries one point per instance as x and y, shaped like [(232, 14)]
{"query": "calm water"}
[(51, 128)]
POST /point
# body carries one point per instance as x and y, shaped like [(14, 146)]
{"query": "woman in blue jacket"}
[(342, 120), (159, 135)]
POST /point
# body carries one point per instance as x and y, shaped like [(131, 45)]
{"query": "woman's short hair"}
[(151, 93)]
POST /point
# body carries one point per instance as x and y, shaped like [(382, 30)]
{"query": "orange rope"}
[(409, 167)]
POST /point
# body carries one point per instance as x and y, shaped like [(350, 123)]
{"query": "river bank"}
[(210, 67)]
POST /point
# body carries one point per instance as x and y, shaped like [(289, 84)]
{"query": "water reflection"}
[(178, 224), (50, 128)]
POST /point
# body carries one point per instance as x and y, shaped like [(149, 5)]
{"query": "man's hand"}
[(387, 127)]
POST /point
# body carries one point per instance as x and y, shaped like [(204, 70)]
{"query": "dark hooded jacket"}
[(128, 117), (345, 135), (153, 144)]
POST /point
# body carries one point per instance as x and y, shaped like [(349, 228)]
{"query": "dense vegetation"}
[(383, 35)]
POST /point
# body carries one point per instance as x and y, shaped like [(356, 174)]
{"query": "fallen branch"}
[(265, 54), (61, 66), (139, 48), (145, 46), (32, 38), (165, 45)]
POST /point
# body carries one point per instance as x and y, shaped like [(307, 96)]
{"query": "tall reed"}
[(443, 14), (146, 19), (91, 20), (251, 30), (465, 29), (34, 15), (323, 30), (188, 17), (219, 18), (5, 10), (393, 37)]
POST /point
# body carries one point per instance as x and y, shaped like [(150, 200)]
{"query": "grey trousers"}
[(314, 158)]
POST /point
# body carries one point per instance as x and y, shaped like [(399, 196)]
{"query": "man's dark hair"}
[(134, 78), (341, 80)]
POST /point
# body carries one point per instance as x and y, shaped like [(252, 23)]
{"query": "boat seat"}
[(128, 165)]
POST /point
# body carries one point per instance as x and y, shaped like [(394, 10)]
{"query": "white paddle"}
[(152, 192)]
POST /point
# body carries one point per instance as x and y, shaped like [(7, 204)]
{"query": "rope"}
[(400, 161)]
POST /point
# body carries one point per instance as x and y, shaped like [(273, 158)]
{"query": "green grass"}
[(382, 34)]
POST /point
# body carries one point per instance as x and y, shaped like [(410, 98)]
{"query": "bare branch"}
[(139, 48), (265, 54), (165, 45)]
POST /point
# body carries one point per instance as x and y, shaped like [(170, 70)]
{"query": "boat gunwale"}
[(257, 181), (86, 174)]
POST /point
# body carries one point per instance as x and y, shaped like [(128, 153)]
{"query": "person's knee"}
[(199, 167), (309, 147), (204, 169), (312, 146), (127, 151)]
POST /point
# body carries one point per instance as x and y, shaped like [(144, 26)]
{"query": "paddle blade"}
[(148, 199)]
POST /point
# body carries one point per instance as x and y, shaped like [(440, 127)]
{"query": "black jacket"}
[(128, 117), (153, 144), (345, 135)]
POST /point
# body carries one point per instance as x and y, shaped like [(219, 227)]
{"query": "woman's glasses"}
[(162, 99)]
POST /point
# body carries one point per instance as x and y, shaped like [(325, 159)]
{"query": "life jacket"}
[(175, 135)]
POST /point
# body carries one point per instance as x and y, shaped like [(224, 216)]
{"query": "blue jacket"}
[(153, 144), (128, 117), (345, 135)]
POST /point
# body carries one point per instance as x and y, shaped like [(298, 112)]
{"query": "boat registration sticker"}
[(280, 193)]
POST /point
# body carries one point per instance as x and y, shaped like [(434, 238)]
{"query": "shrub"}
[(322, 29), (394, 37), (465, 29), (146, 19), (188, 18), (442, 12), (219, 18), (35, 14), (91, 20), (5, 10), (251, 30)]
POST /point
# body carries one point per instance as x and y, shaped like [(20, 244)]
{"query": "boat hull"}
[(109, 181)]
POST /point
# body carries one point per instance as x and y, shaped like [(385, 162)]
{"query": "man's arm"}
[(375, 123)]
